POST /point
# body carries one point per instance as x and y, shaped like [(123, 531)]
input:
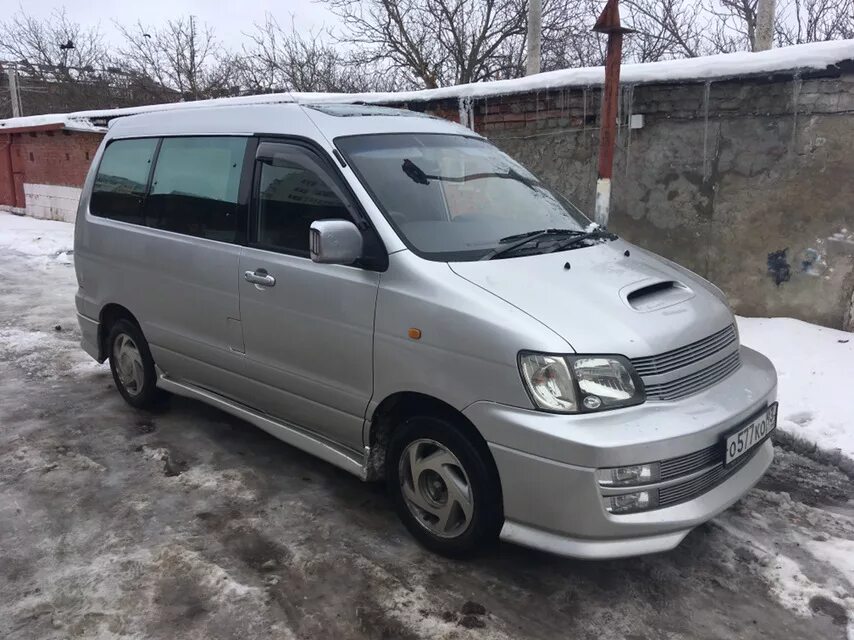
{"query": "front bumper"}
[(547, 465)]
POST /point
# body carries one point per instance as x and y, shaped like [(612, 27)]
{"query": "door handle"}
[(259, 277)]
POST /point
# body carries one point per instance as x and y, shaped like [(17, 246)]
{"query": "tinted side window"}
[(290, 198), (195, 186), (122, 177)]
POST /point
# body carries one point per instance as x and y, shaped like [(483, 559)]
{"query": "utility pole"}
[(14, 92), (192, 69), (608, 22), (535, 36), (764, 38)]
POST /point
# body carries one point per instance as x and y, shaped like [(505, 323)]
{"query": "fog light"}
[(629, 476), (631, 502)]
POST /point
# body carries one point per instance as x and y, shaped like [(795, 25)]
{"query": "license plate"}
[(750, 435)]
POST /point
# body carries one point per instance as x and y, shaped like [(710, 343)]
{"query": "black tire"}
[(145, 395), (484, 524)]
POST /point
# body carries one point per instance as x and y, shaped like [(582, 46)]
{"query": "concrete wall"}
[(749, 182), (51, 202)]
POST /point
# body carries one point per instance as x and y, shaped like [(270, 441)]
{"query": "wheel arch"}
[(110, 314), (399, 406)]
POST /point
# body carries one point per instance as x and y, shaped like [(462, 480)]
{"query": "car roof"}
[(310, 120)]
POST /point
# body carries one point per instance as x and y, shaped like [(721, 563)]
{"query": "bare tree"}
[(279, 59), (732, 25), (568, 36), (55, 48), (442, 42), (665, 29), (181, 56), (381, 45), (801, 21), (437, 42)]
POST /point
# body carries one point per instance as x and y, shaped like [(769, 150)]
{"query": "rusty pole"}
[(608, 22)]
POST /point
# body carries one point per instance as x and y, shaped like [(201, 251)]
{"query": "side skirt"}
[(341, 457)]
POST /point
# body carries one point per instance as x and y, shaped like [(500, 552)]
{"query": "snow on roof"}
[(85, 120), (816, 55), (51, 120)]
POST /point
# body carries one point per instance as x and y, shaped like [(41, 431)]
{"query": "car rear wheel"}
[(132, 365), (444, 487)]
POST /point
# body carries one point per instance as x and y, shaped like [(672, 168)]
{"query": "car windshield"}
[(455, 198)]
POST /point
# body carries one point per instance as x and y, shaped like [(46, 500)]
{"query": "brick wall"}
[(41, 171), (58, 157)]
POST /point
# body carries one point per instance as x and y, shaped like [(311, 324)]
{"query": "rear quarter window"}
[(122, 179)]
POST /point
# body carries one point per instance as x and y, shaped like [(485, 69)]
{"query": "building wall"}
[(41, 171), (51, 202)]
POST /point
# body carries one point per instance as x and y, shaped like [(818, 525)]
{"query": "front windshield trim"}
[(435, 256)]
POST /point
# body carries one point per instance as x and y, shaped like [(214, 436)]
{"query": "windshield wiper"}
[(419, 176), (522, 239), (415, 173), (596, 234)]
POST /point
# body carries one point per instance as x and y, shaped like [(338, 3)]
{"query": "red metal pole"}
[(608, 22), (611, 94)]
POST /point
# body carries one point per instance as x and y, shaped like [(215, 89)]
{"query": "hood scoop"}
[(651, 295)]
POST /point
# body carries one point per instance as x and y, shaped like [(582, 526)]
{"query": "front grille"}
[(689, 463), (694, 382), (689, 490), (685, 356), (693, 488)]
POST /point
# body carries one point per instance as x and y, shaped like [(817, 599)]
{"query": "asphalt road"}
[(190, 524)]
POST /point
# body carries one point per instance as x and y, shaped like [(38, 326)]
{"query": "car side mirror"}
[(335, 242)]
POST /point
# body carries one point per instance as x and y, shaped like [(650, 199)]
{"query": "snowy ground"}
[(815, 366), (191, 524)]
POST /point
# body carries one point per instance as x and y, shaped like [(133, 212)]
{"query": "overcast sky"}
[(229, 18)]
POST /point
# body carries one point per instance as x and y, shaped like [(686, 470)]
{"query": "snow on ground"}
[(815, 366), (48, 239), (39, 339), (808, 569)]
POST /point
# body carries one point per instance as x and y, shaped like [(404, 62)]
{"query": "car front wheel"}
[(444, 487)]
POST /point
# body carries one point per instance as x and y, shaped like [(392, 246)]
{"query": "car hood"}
[(608, 298)]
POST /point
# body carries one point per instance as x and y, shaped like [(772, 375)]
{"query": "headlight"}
[(579, 384)]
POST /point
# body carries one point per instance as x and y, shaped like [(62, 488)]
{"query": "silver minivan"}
[(392, 293)]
